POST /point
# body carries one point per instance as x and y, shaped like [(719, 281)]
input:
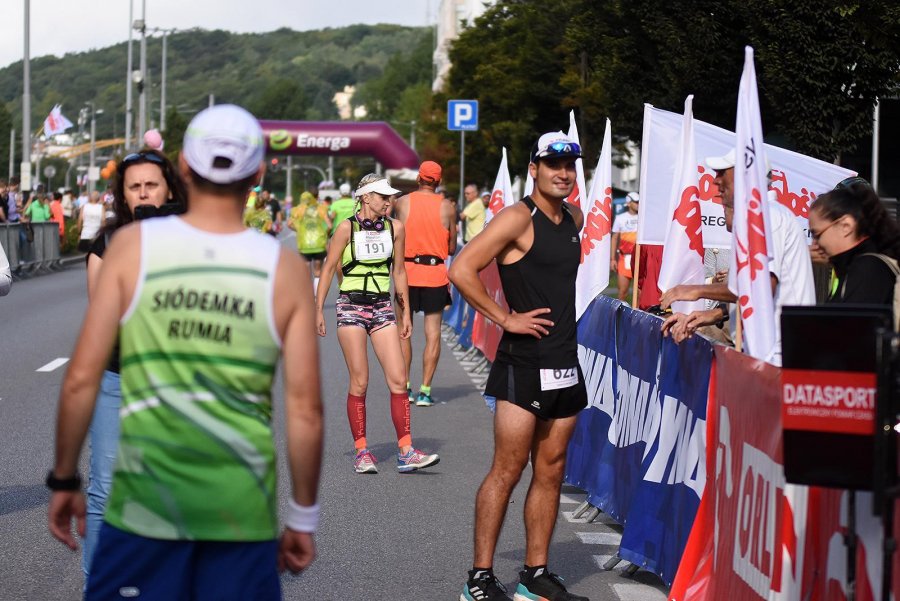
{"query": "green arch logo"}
[(280, 139)]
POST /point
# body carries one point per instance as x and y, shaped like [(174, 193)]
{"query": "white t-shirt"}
[(625, 222), (790, 263), (92, 219)]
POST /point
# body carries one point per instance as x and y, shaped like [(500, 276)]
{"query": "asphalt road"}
[(386, 536)]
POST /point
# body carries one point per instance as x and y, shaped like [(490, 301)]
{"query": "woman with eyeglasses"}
[(366, 244), (852, 228), (145, 181)]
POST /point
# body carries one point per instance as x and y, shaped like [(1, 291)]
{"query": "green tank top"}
[(366, 260), (342, 209), (199, 349)]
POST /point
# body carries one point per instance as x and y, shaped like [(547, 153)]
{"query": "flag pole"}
[(634, 274), (738, 330)]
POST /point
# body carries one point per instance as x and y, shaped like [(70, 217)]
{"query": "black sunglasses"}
[(141, 156)]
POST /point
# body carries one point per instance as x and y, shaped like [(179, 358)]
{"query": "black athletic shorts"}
[(428, 300), (522, 386)]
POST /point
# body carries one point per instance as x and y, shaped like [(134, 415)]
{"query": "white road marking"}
[(53, 365), (577, 500), (637, 592), (599, 538)]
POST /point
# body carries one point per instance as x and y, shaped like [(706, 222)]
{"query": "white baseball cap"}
[(224, 144), (554, 144), (632, 197), (379, 186), (344, 189), (721, 163)]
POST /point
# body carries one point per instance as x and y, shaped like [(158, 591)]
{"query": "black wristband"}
[(55, 484), (724, 309)]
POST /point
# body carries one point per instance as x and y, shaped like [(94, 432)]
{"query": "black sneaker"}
[(483, 586), (543, 586)]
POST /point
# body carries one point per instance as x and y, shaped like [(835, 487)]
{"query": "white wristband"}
[(302, 519)]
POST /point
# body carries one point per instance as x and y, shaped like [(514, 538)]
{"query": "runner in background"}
[(259, 217), (366, 245), (624, 237), (310, 219), (430, 221)]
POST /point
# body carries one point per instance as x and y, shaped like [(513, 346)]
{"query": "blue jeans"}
[(104, 440)]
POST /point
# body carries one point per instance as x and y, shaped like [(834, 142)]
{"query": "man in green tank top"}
[(206, 307)]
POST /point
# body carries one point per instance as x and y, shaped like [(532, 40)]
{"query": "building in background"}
[(453, 17)]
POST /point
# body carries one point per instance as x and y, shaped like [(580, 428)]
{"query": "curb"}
[(72, 260)]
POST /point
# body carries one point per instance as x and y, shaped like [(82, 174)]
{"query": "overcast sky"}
[(61, 26)]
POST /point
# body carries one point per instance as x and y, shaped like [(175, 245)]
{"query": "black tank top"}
[(544, 277)]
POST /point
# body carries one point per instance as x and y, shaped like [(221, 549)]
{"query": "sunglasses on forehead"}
[(559, 149), (135, 157)]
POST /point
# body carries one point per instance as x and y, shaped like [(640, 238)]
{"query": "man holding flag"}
[(766, 238), (536, 377)]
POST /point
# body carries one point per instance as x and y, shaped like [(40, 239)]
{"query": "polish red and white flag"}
[(751, 241), (580, 189), (593, 272), (682, 260), (501, 195)]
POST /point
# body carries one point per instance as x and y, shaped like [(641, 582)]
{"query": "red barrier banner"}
[(755, 536), (485, 333)]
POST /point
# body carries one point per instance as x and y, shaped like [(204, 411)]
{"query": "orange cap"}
[(430, 171)]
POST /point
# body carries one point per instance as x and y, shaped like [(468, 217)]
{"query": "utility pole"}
[(142, 87), (25, 173), (129, 103), (162, 92)]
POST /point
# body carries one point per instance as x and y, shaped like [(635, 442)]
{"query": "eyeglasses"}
[(134, 157), (817, 235)]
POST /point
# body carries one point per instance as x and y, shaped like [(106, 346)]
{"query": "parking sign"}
[(462, 115)]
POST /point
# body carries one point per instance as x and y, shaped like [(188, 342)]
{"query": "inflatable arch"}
[(342, 138)]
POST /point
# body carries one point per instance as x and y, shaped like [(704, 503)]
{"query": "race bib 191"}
[(554, 379), (373, 246)]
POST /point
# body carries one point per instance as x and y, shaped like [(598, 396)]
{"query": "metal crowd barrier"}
[(30, 258)]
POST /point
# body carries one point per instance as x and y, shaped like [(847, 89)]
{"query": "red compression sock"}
[(400, 417), (356, 414)]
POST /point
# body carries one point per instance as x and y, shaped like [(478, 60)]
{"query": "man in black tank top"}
[(535, 378)]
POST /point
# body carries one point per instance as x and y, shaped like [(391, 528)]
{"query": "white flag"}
[(501, 195), (796, 179), (56, 123), (529, 184), (682, 260), (578, 192), (593, 272), (751, 241)]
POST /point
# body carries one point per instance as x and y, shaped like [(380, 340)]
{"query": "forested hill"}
[(282, 74)]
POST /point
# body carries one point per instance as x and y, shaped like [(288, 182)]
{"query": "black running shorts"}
[(428, 300), (522, 386)]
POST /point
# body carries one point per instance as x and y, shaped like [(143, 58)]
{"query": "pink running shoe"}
[(415, 460), (365, 463)]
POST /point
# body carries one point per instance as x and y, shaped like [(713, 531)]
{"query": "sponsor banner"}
[(344, 138), (638, 449), (756, 537), (796, 179), (828, 401)]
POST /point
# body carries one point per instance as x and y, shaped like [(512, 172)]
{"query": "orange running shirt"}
[(426, 235)]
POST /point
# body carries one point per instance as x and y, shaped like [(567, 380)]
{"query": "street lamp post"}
[(93, 156), (26, 104), (129, 103), (141, 26)]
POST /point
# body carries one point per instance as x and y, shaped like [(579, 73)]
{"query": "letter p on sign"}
[(462, 115)]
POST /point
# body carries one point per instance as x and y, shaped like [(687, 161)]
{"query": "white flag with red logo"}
[(501, 195), (56, 122), (751, 242), (682, 260), (578, 192), (593, 272)]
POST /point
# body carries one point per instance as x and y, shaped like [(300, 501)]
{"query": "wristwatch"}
[(725, 315), (55, 484)]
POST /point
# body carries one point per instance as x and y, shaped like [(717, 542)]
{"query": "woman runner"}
[(366, 244)]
